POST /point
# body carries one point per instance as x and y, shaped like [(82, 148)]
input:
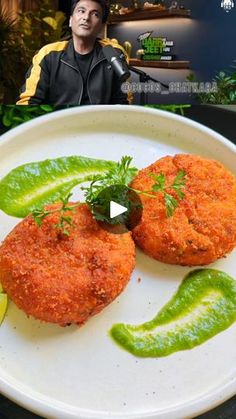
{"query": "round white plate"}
[(79, 372)]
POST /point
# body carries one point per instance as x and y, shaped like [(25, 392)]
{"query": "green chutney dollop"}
[(203, 306)]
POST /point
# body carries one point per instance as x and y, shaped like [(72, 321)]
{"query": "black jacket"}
[(54, 78)]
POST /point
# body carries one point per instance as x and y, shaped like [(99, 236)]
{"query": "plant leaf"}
[(159, 184), (171, 204), (51, 22), (33, 185)]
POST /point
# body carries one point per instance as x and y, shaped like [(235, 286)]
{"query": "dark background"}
[(223, 121), (10, 411), (206, 39)]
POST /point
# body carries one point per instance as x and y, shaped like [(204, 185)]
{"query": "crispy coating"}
[(203, 226), (62, 279)]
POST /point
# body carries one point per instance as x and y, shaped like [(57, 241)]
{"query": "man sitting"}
[(75, 72)]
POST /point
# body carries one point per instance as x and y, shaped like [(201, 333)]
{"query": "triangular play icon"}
[(116, 209)]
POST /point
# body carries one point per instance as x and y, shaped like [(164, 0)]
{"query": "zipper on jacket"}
[(76, 69), (90, 70)]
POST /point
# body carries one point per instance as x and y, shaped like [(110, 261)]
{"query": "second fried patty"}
[(203, 226)]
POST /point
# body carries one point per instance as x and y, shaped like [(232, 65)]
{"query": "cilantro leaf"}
[(171, 204), (40, 214), (160, 186), (120, 176)]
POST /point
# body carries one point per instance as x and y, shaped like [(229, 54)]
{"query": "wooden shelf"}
[(142, 14), (160, 64)]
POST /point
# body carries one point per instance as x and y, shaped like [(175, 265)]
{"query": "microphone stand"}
[(144, 77)]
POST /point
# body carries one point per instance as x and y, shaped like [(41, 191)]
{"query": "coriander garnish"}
[(64, 220), (160, 186), (122, 174), (100, 192)]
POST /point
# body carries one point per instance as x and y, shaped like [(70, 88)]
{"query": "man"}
[(75, 72)]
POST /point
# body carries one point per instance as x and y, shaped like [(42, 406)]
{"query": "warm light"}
[(147, 24)]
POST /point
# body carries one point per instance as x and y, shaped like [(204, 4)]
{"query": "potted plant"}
[(20, 39), (41, 26), (224, 94)]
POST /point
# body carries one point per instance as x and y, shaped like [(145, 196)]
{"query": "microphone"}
[(117, 62)]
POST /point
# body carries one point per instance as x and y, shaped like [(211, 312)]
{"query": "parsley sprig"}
[(64, 220), (110, 186), (177, 186), (122, 174)]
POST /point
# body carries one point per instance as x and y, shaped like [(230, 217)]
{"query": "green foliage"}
[(226, 88), (41, 27), (180, 109), (21, 38), (12, 115)]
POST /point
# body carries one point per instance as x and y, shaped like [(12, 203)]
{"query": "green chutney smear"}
[(204, 305), (33, 185)]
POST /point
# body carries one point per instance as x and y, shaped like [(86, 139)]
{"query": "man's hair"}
[(103, 4)]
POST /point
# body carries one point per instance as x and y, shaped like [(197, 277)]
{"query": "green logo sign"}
[(155, 48), (153, 45)]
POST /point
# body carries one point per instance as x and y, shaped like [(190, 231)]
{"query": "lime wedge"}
[(3, 306)]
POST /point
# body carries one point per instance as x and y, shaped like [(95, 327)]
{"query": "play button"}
[(116, 209)]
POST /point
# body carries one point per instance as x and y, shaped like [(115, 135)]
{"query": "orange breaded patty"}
[(203, 226), (65, 279)]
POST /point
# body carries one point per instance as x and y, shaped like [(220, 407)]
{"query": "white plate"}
[(79, 372)]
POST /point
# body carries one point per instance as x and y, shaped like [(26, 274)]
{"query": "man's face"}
[(86, 21)]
